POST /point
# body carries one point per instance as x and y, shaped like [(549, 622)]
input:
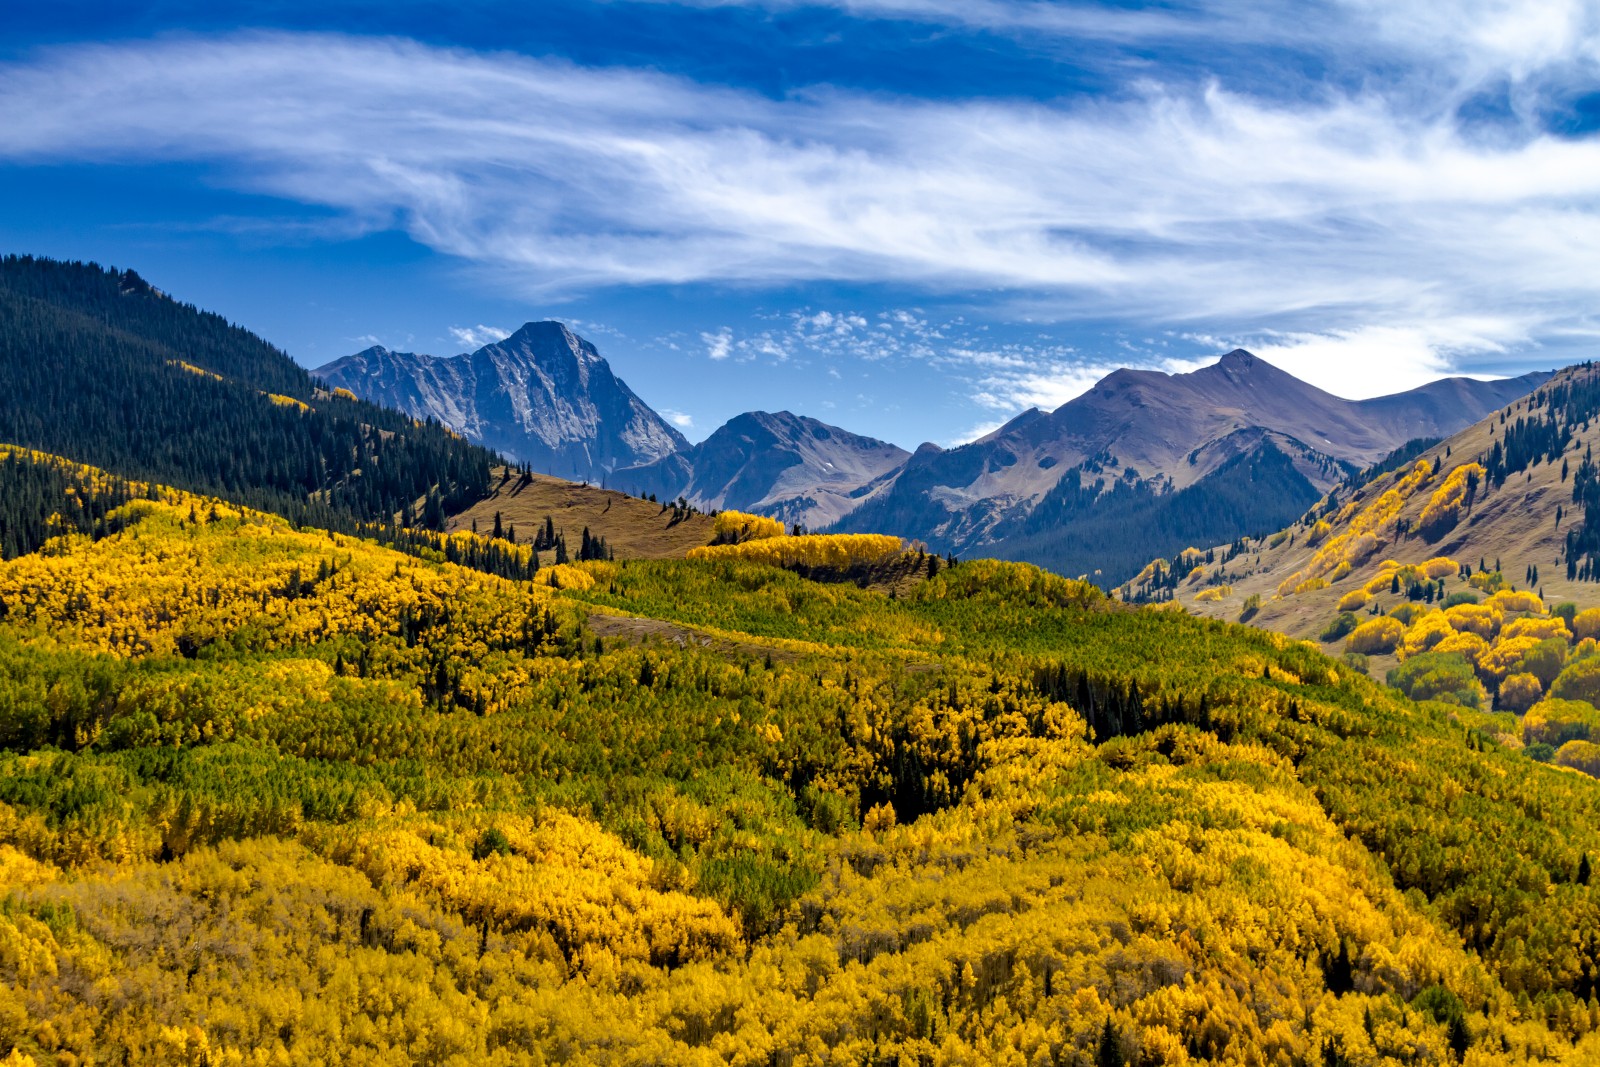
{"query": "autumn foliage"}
[(271, 795), (831, 553), (735, 527)]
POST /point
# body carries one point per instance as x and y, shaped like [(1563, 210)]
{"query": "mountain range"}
[(1140, 462), (788, 466), (1146, 442)]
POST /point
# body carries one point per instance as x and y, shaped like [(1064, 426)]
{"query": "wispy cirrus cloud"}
[(1322, 217), (1516, 37)]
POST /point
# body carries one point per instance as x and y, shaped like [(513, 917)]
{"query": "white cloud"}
[(1477, 39), (1047, 386), (475, 337), (719, 345), (1241, 19), (973, 433), (1347, 222), (678, 419), (1358, 364)]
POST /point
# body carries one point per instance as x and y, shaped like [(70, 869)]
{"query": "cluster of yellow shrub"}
[(1155, 568), (1216, 592), (819, 552), (147, 600), (1535, 660), (1443, 509), (568, 576), (287, 401), (734, 527), (1354, 600), (183, 364)]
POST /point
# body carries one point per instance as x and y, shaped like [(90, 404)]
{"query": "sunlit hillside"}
[(273, 795), (1468, 505), (1465, 573)]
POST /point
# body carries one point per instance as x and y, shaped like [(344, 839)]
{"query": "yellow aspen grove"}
[(1445, 507), (734, 527), (823, 552), (271, 794)]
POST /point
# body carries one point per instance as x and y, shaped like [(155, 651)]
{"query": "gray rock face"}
[(543, 396), (788, 466)]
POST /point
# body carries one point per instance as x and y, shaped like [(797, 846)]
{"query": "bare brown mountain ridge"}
[(791, 467), (1160, 434)]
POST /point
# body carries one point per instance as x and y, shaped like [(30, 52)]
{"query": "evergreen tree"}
[(1109, 1051)]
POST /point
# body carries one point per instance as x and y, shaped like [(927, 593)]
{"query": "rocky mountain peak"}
[(543, 395), (549, 335)]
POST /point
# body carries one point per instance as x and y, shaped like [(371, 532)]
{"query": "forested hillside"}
[(1463, 571), (276, 795), (97, 366), (1082, 528)]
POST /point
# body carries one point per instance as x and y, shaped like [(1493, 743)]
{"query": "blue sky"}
[(912, 218)]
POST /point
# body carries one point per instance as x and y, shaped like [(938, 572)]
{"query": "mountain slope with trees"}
[(1464, 571), (98, 366), (275, 793), (1514, 488)]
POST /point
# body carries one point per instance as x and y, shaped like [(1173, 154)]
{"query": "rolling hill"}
[(632, 528), (275, 792)]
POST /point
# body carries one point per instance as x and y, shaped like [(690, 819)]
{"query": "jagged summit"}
[(544, 395), (1239, 358), (548, 335)]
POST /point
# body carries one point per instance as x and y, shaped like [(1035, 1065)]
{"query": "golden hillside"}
[(274, 795), (1464, 574)]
